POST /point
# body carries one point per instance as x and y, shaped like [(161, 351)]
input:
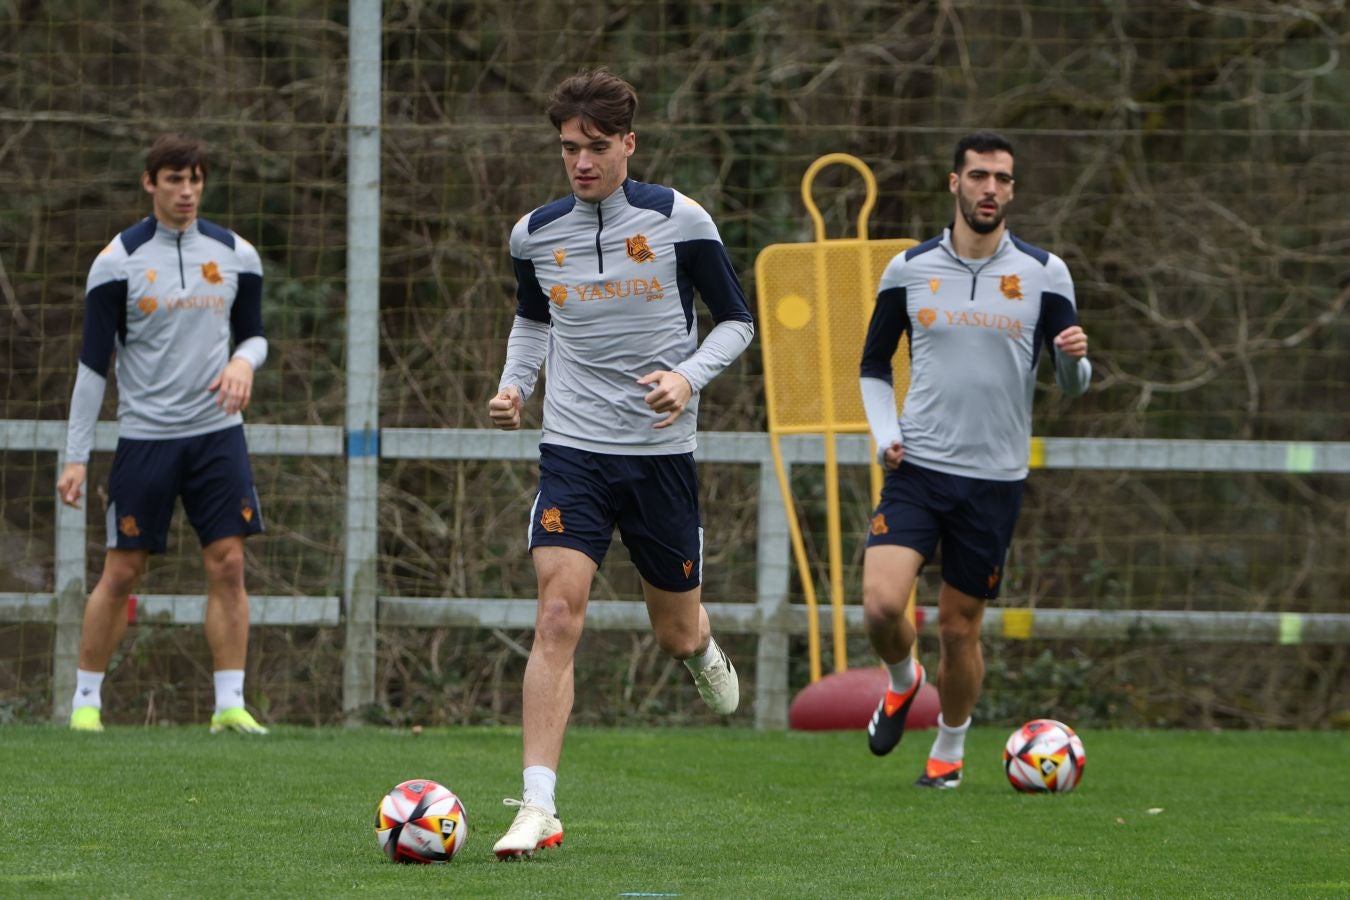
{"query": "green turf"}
[(719, 813)]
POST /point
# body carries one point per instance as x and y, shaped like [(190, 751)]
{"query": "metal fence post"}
[(363, 356), (774, 553), (69, 600)]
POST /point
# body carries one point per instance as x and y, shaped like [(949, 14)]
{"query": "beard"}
[(970, 213)]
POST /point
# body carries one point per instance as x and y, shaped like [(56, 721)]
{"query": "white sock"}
[(950, 744), (698, 662), (229, 689), (903, 674), (540, 784), (88, 689)]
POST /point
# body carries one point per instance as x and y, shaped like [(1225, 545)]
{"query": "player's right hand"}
[(69, 485), (504, 409), (891, 456)]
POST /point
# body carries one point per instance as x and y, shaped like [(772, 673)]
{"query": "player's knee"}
[(225, 565), (557, 623), (121, 575), (882, 609), (958, 630)]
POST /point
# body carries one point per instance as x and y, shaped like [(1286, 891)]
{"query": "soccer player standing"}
[(166, 296), (605, 295), (977, 305)]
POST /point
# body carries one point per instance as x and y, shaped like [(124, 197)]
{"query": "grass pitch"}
[(140, 812)]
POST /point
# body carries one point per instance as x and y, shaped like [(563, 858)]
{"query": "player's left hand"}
[(1072, 341), (670, 393), (233, 386)]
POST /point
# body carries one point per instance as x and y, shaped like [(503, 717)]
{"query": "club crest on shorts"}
[(127, 525), (246, 510), (551, 520), (879, 524), (688, 567)]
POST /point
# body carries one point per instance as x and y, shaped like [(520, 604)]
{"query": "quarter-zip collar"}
[(177, 238), (947, 244), (607, 210)]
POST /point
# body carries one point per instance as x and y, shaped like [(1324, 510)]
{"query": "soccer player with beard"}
[(977, 305)]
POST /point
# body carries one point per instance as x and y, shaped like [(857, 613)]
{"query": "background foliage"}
[(1188, 161)]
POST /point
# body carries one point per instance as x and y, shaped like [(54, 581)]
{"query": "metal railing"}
[(772, 618)]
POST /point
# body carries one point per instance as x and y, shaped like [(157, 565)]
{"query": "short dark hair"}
[(980, 142), (602, 100), (175, 151)]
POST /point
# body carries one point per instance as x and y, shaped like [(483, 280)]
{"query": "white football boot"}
[(718, 685), (534, 829)]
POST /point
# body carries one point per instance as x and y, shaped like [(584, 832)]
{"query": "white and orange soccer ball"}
[(1044, 757), (420, 821)]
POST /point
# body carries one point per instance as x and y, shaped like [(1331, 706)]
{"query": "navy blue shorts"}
[(210, 472), (652, 500), (972, 519)]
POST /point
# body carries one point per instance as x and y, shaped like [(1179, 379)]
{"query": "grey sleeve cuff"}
[(719, 349), (85, 402), (1073, 375), (879, 403), (526, 349), (253, 351)]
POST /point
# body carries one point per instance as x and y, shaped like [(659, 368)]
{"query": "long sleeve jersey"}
[(976, 329), (167, 302), (605, 294)]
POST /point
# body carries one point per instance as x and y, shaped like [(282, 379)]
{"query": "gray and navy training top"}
[(167, 302), (976, 328), (605, 293)]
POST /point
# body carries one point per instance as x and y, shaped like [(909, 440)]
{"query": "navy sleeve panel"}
[(138, 234), (105, 318), (246, 313), (1036, 253), (918, 249), (890, 320), (215, 232), (551, 212), (705, 263), (530, 300), (656, 197), (1057, 313)]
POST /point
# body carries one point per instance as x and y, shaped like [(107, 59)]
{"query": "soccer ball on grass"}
[(1044, 757), (420, 821)]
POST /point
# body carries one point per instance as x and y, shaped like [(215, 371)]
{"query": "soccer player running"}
[(977, 305), (165, 296), (605, 293)]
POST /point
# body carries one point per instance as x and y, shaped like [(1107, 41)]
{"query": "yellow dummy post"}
[(815, 302)]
